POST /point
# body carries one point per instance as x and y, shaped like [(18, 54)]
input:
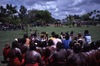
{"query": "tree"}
[(22, 14), (7, 13), (23, 17), (3, 14), (85, 17), (76, 17), (43, 16), (11, 11), (70, 19), (31, 15)]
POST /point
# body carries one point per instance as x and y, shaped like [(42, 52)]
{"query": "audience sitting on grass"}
[(61, 50)]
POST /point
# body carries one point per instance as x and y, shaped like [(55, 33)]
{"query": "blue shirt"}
[(66, 44)]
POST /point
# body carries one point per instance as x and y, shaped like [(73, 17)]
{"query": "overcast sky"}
[(58, 8)]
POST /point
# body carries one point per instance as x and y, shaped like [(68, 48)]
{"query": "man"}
[(33, 58)]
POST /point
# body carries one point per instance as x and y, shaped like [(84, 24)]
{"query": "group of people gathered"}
[(58, 50)]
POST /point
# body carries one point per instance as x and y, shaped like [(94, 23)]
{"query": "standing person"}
[(87, 36), (33, 58)]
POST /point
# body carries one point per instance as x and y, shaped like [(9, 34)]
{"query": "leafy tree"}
[(11, 11), (23, 14), (43, 16), (31, 15), (7, 14), (23, 17), (85, 17), (70, 19), (3, 14), (76, 17)]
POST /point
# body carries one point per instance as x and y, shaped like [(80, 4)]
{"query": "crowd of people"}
[(10, 27), (57, 50)]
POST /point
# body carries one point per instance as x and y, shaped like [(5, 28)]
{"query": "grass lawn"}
[(8, 36)]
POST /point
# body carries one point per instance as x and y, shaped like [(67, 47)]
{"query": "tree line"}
[(89, 17), (10, 14)]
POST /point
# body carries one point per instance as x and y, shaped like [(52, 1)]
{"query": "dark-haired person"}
[(27, 43), (52, 35), (62, 36), (14, 55), (82, 39), (5, 51), (72, 35), (57, 39), (59, 56), (33, 58), (77, 58), (66, 42), (87, 36)]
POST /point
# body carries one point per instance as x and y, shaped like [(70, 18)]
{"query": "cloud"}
[(58, 8)]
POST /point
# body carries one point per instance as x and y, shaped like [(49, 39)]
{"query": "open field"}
[(8, 36)]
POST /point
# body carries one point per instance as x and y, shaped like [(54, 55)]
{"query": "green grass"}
[(8, 36)]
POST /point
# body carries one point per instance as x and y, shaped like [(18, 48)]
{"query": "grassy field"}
[(8, 36)]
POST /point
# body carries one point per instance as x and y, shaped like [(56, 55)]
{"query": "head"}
[(77, 48), (67, 37), (56, 36), (67, 33), (86, 32), (72, 32), (61, 33), (98, 43), (24, 49), (43, 44), (42, 36), (59, 46), (25, 36), (86, 48), (23, 41), (53, 34), (50, 42), (81, 42), (80, 35), (72, 44), (7, 45), (32, 46), (15, 44), (93, 45)]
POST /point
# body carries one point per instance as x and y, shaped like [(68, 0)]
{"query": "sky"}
[(58, 8)]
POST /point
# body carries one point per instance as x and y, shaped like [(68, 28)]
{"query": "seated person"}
[(5, 51)]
